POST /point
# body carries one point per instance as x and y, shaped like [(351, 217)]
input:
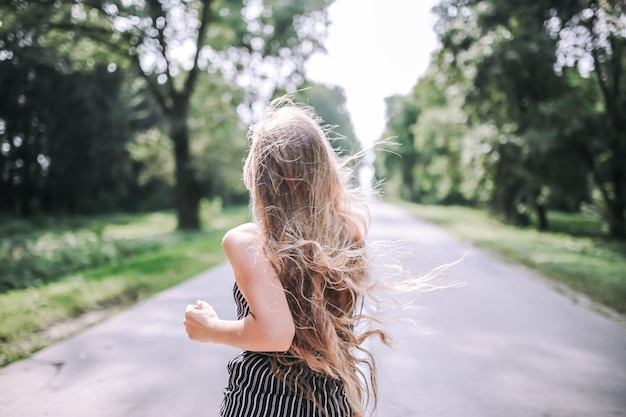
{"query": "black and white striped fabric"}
[(255, 391)]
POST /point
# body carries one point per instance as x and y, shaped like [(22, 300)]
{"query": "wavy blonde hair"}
[(314, 229)]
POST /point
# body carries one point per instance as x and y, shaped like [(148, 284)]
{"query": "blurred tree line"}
[(522, 110), (122, 105)]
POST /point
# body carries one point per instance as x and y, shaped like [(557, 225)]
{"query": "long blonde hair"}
[(314, 229)]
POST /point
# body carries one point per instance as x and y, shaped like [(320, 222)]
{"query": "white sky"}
[(375, 49)]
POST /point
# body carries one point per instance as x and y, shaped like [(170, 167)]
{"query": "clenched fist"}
[(199, 322)]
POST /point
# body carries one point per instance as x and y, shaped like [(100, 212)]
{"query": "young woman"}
[(301, 272)]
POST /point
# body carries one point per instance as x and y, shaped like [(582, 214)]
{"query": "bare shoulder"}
[(242, 245), (243, 235)]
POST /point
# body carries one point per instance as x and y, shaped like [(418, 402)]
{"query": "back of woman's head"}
[(291, 171)]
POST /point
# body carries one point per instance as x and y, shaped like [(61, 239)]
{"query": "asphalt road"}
[(505, 343)]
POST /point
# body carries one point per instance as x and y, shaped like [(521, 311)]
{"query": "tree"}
[(427, 126), (55, 124), (219, 142), (170, 42), (592, 37), (401, 156), (506, 61)]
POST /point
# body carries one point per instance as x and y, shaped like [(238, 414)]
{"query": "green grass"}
[(39, 251), (32, 318), (575, 253)]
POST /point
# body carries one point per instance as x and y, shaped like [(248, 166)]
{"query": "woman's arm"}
[(269, 327)]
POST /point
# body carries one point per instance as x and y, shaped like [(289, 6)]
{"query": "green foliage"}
[(505, 60), (230, 51), (503, 119), (218, 142), (514, 59), (428, 161), (55, 125), (152, 150), (439, 143), (399, 156), (34, 253)]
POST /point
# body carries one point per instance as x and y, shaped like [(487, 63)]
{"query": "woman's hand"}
[(199, 321)]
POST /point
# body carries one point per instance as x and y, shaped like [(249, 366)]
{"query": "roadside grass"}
[(35, 317), (39, 251), (575, 252)]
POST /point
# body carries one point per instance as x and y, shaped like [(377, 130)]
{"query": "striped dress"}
[(254, 391)]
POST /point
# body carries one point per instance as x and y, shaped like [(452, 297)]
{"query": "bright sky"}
[(375, 49)]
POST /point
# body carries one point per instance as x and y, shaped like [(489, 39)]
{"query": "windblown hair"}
[(314, 230)]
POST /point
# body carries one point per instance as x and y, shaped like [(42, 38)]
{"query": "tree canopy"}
[(530, 113), (164, 48)]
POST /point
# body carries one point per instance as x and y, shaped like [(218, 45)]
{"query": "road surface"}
[(505, 343)]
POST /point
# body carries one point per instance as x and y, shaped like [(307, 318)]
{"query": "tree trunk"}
[(617, 207), (609, 77), (542, 217), (187, 188), (408, 180)]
